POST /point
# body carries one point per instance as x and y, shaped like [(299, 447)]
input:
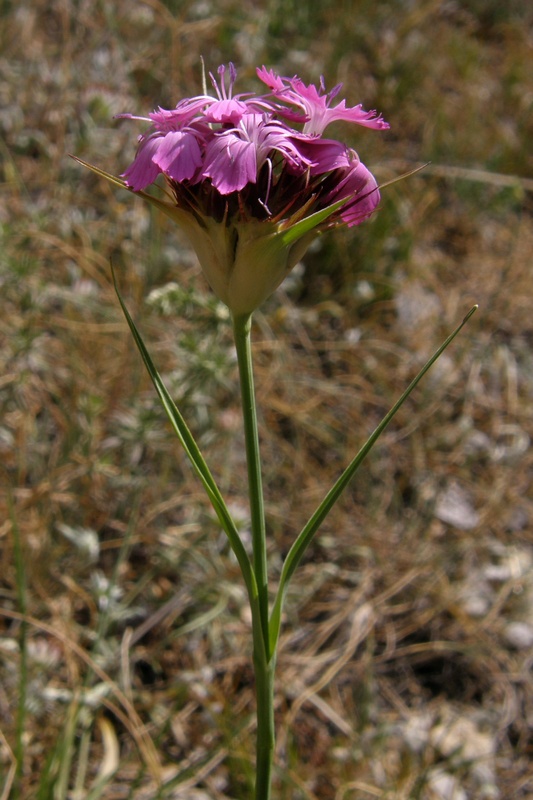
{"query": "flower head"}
[(253, 180)]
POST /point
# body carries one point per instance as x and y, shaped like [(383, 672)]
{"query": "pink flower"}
[(324, 155), (176, 154), (226, 108), (234, 156), (253, 179), (315, 104), (171, 147)]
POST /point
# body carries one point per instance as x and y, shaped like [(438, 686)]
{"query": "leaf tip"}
[(471, 312)]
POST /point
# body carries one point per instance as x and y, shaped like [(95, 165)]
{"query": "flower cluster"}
[(234, 162), (243, 143)]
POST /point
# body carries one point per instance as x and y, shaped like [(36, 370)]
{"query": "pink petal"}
[(178, 155), (360, 184), (231, 110), (369, 119), (143, 171), (269, 77), (174, 119), (323, 155), (231, 163)]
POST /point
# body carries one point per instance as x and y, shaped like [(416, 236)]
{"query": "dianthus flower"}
[(252, 178)]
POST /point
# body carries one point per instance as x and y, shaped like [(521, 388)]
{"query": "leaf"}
[(308, 532), (193, 452), (307, 224), (170, 209), (296, 231)]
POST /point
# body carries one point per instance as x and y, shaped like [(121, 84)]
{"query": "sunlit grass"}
[(124, 649)]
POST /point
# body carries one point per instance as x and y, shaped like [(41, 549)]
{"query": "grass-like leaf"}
[(195, 456), (295, 231), (170, 209), (308, 532)]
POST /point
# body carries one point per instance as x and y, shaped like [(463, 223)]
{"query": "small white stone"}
[(455, 507), (519, 635), (445, 787)]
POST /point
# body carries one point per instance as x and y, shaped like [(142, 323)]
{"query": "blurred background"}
[(405, 663)]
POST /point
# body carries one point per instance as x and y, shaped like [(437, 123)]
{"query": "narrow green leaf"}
[(193, 452), (170, 209), (306, 535), (307, 224), (294, 232), (102, 173)]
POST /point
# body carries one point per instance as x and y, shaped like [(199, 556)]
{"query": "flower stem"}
[(264, 662), (264, 687), (241, 331)]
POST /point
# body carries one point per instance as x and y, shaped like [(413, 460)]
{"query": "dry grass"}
[(405, 660)]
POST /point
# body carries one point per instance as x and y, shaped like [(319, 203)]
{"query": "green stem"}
[(241, 331), (264, 687), (264, 662)]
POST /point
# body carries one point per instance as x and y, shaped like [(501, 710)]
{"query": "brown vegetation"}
[(405, 663)]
